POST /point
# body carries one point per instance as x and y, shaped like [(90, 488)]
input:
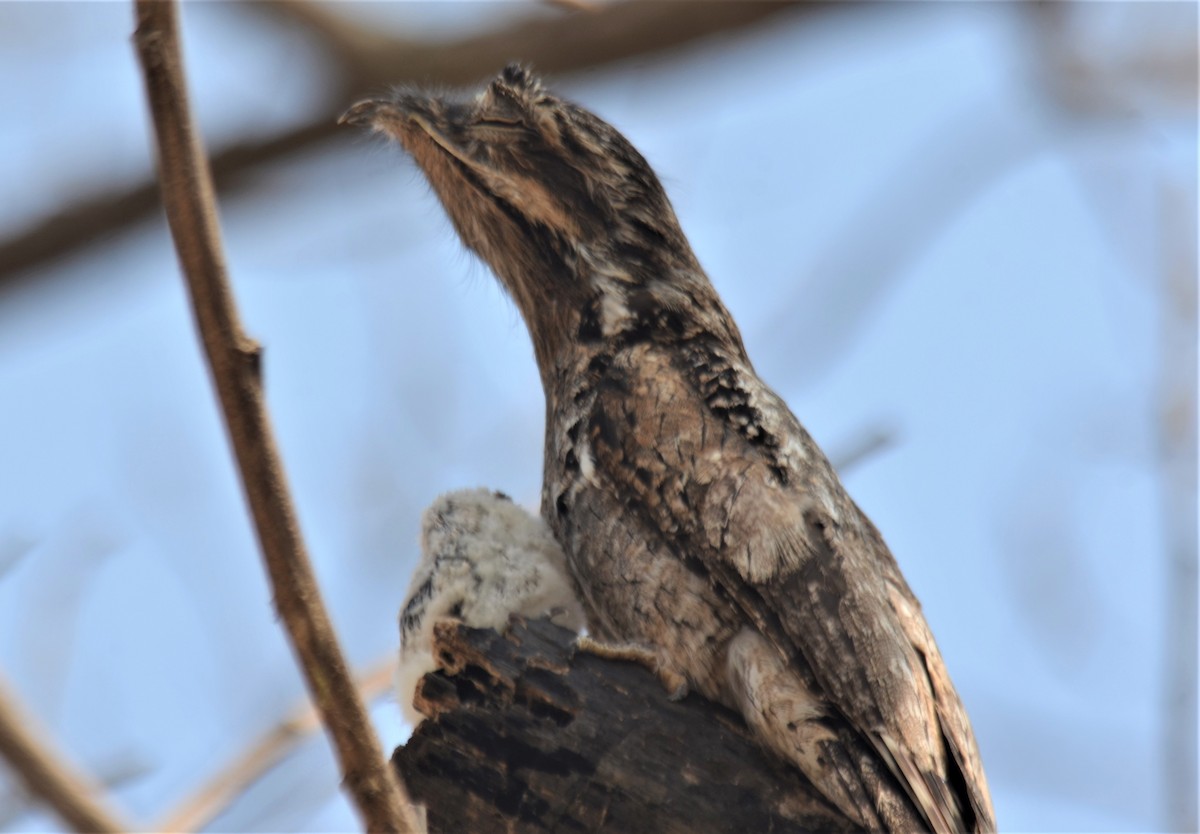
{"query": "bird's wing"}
[(846, 600), (735, 482)]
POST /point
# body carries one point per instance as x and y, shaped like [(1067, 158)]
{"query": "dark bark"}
[(527, 735)]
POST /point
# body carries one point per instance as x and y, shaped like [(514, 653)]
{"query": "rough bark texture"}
[(527, 735)]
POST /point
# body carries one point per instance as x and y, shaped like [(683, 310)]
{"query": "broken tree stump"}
[(525, 734)]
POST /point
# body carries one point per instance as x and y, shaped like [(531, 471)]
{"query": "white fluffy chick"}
[(482, 559)]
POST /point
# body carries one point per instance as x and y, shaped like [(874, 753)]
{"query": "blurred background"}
[(960, 240)]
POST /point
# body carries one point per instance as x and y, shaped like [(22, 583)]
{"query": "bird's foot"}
[(675, 683)]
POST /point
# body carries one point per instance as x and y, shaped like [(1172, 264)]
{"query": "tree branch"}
[(46, 774), (234, 360), (98, 218), (560, 45), (1176, 440), (197, 811), (526, 735)]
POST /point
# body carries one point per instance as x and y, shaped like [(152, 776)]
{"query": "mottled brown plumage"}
[(697, 515)]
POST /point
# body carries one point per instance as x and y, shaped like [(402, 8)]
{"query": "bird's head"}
[(563, 208)]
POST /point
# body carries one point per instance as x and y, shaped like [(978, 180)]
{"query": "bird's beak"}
[(365, 112), (407, 118)]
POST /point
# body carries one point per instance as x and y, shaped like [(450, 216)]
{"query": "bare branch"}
[(831, 305), (1177, 475), (112, 773), (13, 548), (526, 735), (98, 218), (349, 42), (574, 5), (560, 45), (867, 443), (204, 805), (46, 774), (234, 361), (1086, 80)]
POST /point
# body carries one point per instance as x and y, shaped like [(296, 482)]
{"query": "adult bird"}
[(698, 517)]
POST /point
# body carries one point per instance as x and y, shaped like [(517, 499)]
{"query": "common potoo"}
[(483, 558), (698, 517)]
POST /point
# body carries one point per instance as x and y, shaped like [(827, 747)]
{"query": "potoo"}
[(483, 558), (698, 517)]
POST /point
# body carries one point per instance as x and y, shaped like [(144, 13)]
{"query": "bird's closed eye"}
[(497, 123)]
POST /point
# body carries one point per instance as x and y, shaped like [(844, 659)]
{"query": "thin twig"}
[(574, 5), (828, 309), (561, 44), (117, 771), (557, 43), (45, 773), (349, 43), (13, 548), (1177, 477), (1088, 82), (206, 804), (866, 444), (98, 218), (234, 361)]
